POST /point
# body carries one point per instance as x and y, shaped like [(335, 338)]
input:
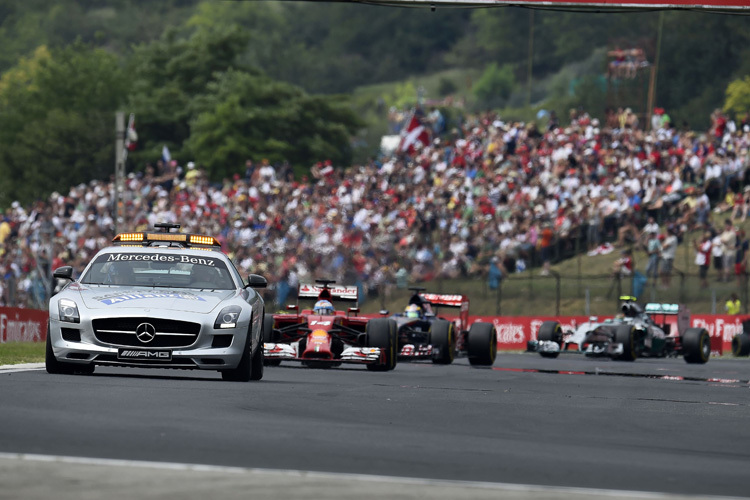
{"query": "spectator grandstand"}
[(489, 191)]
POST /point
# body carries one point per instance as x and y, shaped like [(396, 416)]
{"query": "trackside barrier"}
[(22, 325), (30, 325)]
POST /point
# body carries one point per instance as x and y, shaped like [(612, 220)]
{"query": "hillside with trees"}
[(219, 81)]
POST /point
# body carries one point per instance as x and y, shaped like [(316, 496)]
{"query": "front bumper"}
[(211, 349)]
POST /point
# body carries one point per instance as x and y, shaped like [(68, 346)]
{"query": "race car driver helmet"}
[(323, 307), (413, 311)]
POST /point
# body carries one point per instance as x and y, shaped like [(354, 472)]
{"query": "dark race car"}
[(422, 334), (635, 333), (323, 337)]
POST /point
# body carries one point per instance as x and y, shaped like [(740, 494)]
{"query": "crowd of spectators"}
[(484, 199)]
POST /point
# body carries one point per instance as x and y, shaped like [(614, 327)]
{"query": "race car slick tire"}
[(443, 341), (550, 331), (243, 372), (625, 335), (256, 365), (269, 335), (696, 345), (381, 333), (482, 344), (741, 344), (50, 361)]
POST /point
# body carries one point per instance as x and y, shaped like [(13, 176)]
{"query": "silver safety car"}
[(158, 300)]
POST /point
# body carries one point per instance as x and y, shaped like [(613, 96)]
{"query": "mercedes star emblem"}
[(145, 332)]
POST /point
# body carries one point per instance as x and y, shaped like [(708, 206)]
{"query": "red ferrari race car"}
[(324, 337), (422, 334)]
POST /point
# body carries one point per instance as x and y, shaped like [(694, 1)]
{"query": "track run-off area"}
[(526, 428)]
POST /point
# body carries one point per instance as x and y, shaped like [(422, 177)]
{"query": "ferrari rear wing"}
[(343, 293)]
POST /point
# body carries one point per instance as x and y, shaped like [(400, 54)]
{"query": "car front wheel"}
[(482, 344), (696, 345), (443, 341)]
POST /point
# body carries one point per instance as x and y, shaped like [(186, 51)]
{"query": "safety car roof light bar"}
[(179, 239)]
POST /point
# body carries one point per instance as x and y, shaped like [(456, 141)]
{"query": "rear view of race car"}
[(323, 336), (634, 333), (422, 334)]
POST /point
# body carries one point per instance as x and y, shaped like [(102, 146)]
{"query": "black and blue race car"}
[(423, 334)]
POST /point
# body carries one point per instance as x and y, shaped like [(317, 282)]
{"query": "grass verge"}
[(15, 353)]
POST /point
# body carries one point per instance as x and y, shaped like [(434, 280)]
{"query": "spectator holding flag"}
[(415, 135)]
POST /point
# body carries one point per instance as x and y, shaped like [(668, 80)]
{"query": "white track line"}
[(345, 476), (27, 367)]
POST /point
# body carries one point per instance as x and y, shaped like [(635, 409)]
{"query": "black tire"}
[(244, 370), (550, 331), (382, 333), (257, 363), (625, 335), (741, 345), (696, 345), (482, 344), (50, 361), (443, 337), (269, 335)]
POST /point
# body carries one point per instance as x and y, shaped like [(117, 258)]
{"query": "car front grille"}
[(166, 332)]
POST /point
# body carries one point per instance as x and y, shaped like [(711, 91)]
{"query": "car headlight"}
[(228, 317), (68, 311)]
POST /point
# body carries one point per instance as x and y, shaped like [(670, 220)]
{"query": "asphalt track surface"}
[(526, 428)]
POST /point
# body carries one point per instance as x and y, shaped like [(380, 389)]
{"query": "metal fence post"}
[(499, 297), (619, 288), (557, 292)]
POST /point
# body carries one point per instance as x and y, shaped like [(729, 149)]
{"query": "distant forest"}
[(212, 80), (333, 47)]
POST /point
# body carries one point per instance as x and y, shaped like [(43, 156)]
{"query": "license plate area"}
[(144, 354)]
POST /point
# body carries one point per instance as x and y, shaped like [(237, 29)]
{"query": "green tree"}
[(495, 85), (169, 73), (57, 110), (247, 115), (738, 96)]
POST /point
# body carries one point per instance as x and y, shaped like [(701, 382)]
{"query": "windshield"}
[(159, 269)]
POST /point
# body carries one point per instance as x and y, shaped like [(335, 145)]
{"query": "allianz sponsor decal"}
[(116, 298), (18, 330)]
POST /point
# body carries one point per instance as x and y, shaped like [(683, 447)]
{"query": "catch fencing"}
[(529, 293)]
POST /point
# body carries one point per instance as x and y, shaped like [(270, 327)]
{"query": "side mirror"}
[(353, 310), (64, 273), (383, 312), (256, 281), (292, 307)]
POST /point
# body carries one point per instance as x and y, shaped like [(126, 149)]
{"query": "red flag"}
[(131, 137), (414, 133)]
